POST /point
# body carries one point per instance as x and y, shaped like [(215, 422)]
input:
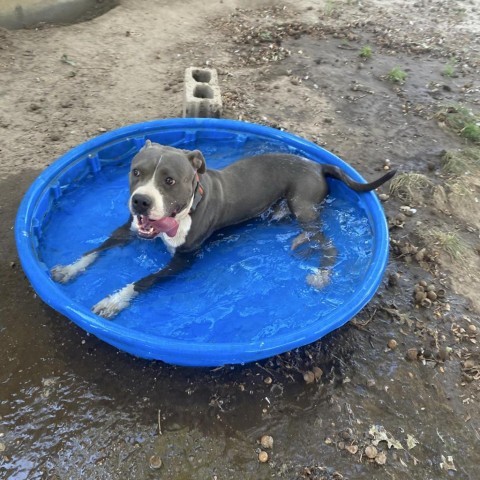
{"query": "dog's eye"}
[(136, 172), (170, 181)]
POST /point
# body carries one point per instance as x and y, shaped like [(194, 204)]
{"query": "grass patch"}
[(461, 120), (397, 75), (449, 242), (330, 8), (409, 186), (366, 52), (459, 162), (449, 70)]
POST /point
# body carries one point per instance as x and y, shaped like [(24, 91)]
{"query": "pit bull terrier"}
[(173, 196)]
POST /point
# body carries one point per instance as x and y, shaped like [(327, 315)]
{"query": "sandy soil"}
[(294, 66)]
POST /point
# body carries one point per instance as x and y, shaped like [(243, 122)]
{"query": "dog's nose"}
[(141, 203)]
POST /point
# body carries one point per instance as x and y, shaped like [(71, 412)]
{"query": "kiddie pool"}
[(244, 299)]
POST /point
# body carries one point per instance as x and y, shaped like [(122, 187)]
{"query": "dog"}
[(174, 197)]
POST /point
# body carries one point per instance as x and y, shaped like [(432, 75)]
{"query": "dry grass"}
[(459, 162), (449, 242), (409, 186)]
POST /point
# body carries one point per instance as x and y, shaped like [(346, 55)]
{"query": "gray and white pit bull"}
[(173, 196)]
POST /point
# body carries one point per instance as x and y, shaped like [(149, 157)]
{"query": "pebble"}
[(318, 372), (431, 296), (268, 380), (353, 449), (383, 197), (155, 462), (263, 457), (2, 447), (392, 344), (266, 441), (468, 364), (371, 451), (309, 377), (472, 328), (412, 354), (371, 382), (381, 458)]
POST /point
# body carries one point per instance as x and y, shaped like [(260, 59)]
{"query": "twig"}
[(160, 422)]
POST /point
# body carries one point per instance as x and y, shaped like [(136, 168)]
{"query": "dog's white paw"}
[(319, 279), (65, 273), (112, 305)]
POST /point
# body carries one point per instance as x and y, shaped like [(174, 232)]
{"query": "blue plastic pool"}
[(245, 298)]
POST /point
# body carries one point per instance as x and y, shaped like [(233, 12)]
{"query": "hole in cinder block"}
[(203, 91), (202, 76)]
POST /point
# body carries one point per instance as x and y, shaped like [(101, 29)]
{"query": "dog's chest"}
[(179, 239)]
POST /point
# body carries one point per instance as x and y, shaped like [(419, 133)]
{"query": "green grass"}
[(463, 121), (366, 52), (449, 242), (449, 69), (397, 75), (330, 8)]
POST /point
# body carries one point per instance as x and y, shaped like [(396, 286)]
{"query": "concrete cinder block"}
[(202, 96)]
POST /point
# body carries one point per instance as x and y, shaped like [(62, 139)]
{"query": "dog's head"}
[(162, 186)]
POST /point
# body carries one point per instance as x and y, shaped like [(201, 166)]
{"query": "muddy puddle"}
[(354, 405)]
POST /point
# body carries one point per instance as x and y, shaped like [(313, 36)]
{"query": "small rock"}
[(381, 458), (2, 447), (268, 380), (353, 449), (318, 372), (309, 377), (101, 129), (155, 462), (266, 441), (383, 197), (371, 451), (468, 364), (431, 296), (371, 383), (263, 457), (472, 328), (54, 137), (392, 344), (412, 354)]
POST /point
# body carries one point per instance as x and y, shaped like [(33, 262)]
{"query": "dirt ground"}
[(394, 393)]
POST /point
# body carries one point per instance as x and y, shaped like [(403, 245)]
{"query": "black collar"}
[(197, 194)]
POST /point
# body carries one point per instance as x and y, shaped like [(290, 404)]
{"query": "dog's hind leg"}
[(65, 273), (312, 241), (112, 305)]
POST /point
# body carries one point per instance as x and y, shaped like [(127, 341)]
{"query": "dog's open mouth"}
[(149, 228)]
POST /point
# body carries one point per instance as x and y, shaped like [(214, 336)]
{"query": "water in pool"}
[(246, 285)]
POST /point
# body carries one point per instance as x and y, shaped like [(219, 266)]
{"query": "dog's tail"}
[(339, 174)]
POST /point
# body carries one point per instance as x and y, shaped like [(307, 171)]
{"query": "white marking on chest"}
[(179, 239)]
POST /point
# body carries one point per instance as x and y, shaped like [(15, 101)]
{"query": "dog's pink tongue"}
[(166, 225)]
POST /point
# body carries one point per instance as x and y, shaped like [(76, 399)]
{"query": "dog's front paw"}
[(319, 279), (65, 273), (62, 273), (112, 305)]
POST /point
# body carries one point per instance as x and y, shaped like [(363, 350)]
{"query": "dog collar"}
[(197, 194)]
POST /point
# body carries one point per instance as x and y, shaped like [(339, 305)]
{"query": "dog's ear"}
[(197, 160), (148, 144)]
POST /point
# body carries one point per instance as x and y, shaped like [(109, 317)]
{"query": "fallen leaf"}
[(411, 442), (379, 434)]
